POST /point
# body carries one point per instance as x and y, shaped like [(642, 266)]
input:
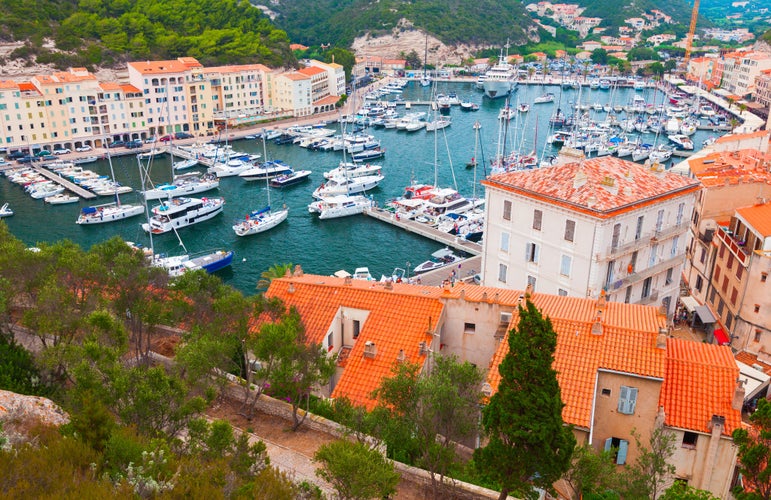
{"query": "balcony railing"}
[(735, 246), (637, 276), (645, 240)]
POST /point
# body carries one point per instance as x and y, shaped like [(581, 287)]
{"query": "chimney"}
[(462, 294), (401, 357), (422, 348), (370, 349), (288, 273), (388, 285), (597, 327), (487, 390), (661, 339), (348, 281), (291, 288), (738, 400), (661, 417), (298, 271), (600, 304)]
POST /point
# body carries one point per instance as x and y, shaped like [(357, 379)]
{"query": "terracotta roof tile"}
[(163, 67), (700, 382), (627, 344), (758, 217), (732, 167), (602, 187), (311, 70)]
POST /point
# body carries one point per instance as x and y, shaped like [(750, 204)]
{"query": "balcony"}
[(735, 246), (651, 298), (637, 276), (644, 240)]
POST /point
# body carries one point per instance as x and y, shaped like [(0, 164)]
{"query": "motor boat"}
[(340, 206), (440, 258), (177, 213)]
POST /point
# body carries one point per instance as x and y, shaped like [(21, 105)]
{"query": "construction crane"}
[(691, 31)]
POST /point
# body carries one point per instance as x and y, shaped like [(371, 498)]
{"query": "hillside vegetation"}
[(105, 32), (614, 12), (478, 22)]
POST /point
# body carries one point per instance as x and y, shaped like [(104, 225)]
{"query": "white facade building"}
[(580, 228)]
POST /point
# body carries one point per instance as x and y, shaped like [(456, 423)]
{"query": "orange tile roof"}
[(311, 70), (758, 217), (27, 87), (634, 185), (700, 382), (129, 89), (395, 322), (742, 137), (330, 99), (627, 344), (109, 86), (163, 67), (8, 84), (296, 76), (732, 167), (750, 359), (297, 46), (236, 68)]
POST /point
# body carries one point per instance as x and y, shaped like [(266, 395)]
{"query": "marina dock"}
[(421, 229), (83, 193)]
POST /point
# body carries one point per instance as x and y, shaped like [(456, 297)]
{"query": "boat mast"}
[(477, 126), (112, 175), (425, 57), (265, 157)]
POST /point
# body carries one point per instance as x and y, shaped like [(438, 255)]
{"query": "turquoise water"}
[(321, 247)]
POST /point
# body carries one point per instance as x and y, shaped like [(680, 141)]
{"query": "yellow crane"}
[(691, 31)]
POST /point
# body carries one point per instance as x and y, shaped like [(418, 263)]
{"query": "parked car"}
[(134, 144), (116, 144), (26, 159), (83, 149), (151, 140), (165, 138), (15, 155), (42, 153), (183, 135), (63, 151)]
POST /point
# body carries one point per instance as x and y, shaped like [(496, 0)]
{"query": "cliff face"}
[(20, 413)]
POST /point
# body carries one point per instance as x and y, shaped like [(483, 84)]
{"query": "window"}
[(757, 336), (565, 265), (646, 288), (739, 272), (619, 447), (689, 439), (734, 295), (669, 276), (356, 328), (609, 275), (673, 252), (763, 277), (654, 251), (632, 263), (504, 241), (531, 281), (717, 274), (562, 293), (722, 252), (659, 220), (730, 263), (680, 209), (570, 230), (330, 341), (531, 253), (615, 237), (729, 319), (628, 295), (699, 283), (537, 219), (725, 284), (469, 327), (757, 308), (506, 210), (638, 231), (720, 307), (627, 400), (502, 273), (606, 392)]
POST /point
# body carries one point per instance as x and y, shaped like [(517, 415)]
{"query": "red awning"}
[(721, 337)]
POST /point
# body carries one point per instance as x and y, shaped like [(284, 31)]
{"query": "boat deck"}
[(449, 240), (464, 271)]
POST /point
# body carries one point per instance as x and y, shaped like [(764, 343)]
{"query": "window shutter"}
[(632, 400), (528, 251), (623, 447), (622, 399), (535, 253), (608, 444)]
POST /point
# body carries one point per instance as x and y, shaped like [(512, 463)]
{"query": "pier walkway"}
[(83, 193), (449, 240)]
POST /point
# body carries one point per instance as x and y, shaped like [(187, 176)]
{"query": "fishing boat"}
[(5, 211), (340, 206), (440, 258), (182, 212), (287, 180)]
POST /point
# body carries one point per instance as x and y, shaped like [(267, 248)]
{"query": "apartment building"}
[(741, 69), (616, 367), (237, 93), (762, 93), (584, 228), (739, 290)]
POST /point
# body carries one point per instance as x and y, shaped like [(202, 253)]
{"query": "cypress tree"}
[(529, 446)]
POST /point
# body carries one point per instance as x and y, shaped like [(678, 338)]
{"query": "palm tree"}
[(273, 272)]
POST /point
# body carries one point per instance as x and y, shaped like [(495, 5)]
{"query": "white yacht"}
[(340, 206), (266, 170), (183, 185), (501, 79), (109, 212), (347, 186), (182, 212), (351, 170)]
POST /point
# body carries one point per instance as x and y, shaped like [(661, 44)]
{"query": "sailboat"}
[(109, 212), (425, 81), (261, 220), (177, 265)]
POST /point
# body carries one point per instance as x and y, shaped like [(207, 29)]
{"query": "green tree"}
[(430, 412), (652, 468), (356, 471), (755, 454), (591, 473), (599, 56), (529, 445), (412, 59), (681, 491), (273, 272)]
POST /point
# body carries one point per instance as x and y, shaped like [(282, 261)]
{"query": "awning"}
[(689, 303), (720, 337), (705, 315)]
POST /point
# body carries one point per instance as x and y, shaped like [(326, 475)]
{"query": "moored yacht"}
[(501, 79), (182, 212), (340, 206)]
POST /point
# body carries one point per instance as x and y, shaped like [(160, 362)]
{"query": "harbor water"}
[(323, 247)]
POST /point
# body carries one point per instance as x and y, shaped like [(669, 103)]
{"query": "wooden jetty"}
[(83, 193), (426, 231)]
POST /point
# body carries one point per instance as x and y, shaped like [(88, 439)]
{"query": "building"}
[(701, 69), (616, 367), (762, 93), (740, 70), (237, 95), (739, 290), (585, 227)]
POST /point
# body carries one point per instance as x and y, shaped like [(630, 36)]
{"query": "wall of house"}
[(753, 323), (691, 462), (610, 423), (475, 345)]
